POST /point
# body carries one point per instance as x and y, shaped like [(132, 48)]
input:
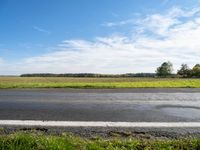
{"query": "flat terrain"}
[(63, 82)]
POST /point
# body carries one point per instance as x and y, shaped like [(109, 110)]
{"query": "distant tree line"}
[(91, 75), (165, 70)]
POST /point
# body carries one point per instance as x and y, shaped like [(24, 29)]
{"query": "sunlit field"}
[(63, 82)]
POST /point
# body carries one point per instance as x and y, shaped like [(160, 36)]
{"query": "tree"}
[(165, 69), (196, 70), (184, 71)]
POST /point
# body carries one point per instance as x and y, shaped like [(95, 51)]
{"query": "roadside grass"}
[(31, 141), (60, 82)]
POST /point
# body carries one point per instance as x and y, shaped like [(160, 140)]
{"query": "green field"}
[(31, 141), (63, 82)]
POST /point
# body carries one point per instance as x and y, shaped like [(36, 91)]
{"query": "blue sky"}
[(101, 36)]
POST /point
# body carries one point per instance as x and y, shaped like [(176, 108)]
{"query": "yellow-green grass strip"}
[(40, 82)]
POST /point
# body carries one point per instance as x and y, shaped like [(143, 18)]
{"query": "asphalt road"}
[(130, 105)]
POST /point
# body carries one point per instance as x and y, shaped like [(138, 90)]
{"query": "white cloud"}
[(157, 24), (41, 30), (160, 24), (121, 23), (115, 54), (176, 40)]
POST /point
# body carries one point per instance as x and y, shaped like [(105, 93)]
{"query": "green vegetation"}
[(165, 69), (185, 71), (89, 75), (31, 141), (63, 82)]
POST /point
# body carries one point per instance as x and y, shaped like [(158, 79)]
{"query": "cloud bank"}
[(172, 36)]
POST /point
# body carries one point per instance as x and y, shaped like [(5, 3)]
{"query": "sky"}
[(97, 36)]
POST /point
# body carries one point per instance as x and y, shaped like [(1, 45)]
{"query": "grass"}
[(31, 141), (60, 82)]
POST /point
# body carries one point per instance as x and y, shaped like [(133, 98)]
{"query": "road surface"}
[(115, 105), (143, 113)]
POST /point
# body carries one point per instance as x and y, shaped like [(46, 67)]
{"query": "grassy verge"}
[(39, 142), (41, 82)]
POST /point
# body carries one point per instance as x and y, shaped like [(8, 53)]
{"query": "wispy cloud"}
[(121, 23), (41, 30), (171, 17), (172, 36)]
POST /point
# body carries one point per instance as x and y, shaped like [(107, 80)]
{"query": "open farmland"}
[(63, 82)]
